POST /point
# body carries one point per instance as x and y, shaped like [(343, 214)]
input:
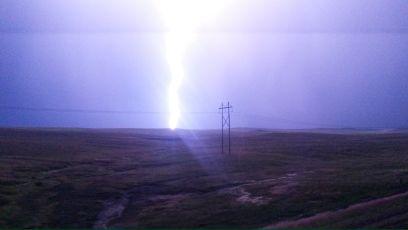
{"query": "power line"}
[(75, 110), (270, 117), (339, 125), (267, 117), (36, 109)]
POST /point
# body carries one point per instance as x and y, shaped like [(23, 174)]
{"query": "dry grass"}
[(158, 178)]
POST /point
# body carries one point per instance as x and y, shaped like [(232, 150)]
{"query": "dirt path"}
[(277, 186), (115, 207), (113, 210), (339, 215)]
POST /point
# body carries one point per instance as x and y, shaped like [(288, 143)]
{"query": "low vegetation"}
[(76, 178)]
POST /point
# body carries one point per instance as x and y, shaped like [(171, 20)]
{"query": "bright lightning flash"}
[(182, 18)]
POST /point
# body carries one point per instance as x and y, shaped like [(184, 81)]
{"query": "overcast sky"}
[(282, 64)]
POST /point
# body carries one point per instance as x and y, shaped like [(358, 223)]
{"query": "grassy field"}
[(158, 178)]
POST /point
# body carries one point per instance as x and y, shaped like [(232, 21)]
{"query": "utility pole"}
[(226, 123), (229, 128)]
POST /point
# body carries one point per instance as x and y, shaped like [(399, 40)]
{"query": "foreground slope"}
[(159, 178)]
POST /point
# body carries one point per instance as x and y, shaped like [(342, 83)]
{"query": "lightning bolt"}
[(182, 17)]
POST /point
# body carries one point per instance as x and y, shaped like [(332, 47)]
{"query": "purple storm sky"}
[(282, 64)]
